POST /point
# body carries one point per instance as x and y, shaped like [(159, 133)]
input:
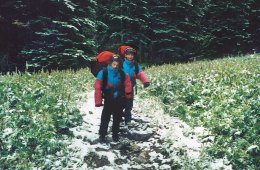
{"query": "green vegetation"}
[(36, 112), (221, 95)]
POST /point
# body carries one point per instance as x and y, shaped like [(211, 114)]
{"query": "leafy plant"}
[(221, 95), (36, 112)]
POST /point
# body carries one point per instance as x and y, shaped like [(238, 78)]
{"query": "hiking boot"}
[(122, 119), (129, 124), (122, 124), (115, 138), (124, 128), (102, 139)]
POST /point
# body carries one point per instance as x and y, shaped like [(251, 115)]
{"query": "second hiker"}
[(133, 69)]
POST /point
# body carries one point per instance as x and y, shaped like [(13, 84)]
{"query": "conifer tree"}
[(54, 34), (125, 22), (176, 29), (254, 27), (227, 22), (49, 34), (62, 38)]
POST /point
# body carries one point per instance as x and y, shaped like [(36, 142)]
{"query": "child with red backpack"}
[(133, 69), (112, 84)]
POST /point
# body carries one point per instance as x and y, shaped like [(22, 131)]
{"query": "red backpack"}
[(100, 62)]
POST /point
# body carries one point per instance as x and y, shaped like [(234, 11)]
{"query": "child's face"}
[(114, 64), (129, 57)]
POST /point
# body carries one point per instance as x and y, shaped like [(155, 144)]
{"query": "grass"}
[(221, 95), (36, 112)]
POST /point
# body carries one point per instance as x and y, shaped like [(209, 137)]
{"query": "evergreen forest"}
[(66, 34)]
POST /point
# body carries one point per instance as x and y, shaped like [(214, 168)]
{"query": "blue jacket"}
[(113, 85), (113, 81), (129, 68)]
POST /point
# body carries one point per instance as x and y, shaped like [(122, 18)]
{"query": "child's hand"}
[(146, 84), (129, 95), (99, 105)]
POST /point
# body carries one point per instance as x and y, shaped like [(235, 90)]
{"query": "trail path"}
[(154, 141)]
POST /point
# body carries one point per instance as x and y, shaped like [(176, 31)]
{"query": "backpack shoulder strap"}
[(122, 81), (122, 75), (105, 75), (136, 67), (136, 72)]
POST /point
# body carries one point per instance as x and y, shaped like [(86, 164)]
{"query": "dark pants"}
[(111, 107), (128, 109)]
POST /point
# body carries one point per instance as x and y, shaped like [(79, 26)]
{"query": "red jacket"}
[(129, 68), (114, 83)]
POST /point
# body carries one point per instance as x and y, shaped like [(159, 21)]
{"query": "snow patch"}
[(165, 140)]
